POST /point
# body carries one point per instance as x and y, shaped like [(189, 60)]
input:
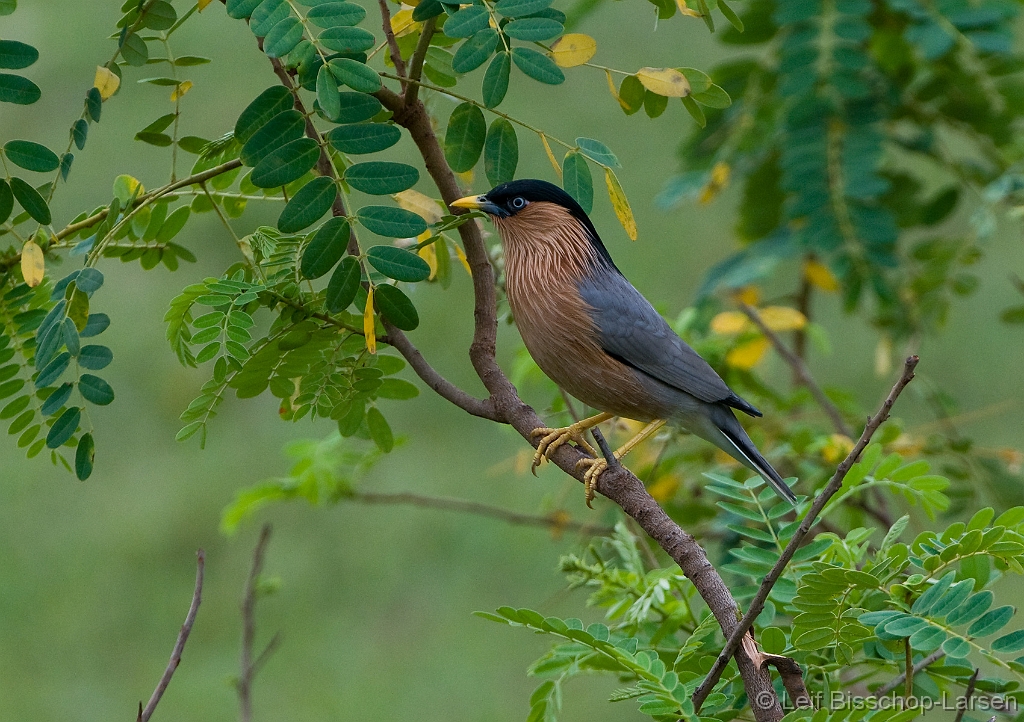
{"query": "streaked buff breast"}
[(547, 252)]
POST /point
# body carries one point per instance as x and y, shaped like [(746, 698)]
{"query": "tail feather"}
[(746, 449)]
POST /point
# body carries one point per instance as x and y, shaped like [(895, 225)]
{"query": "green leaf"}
[(15, 55), (396, 307), (464, 138), (694, 110), (94, 357), (64, 427), (282, 129), (160, 15), (6, 201), (991, 622), (538, 66), (309, 204), (88, 281), (53, 370), (381, 177), (519, 8), (391, 222), (31, 156), (501, 152), (496, 79), (475, 51), (398, 263), (18, 90), (467, 22), (364, 137), (286, 164), (357, 107), (55, 401), (534, 29), (427, 9), (654, 104), (173, 224), (905, 626), (239, 9), (398, 389), (976, 605), (160, 140), (95, 324), (135, 51), (380, 431), (344, 285), (84, 457), (932, 595), (31, 201), (347, 39), (632, 94), (95, 390), (268, 104), (327, 92), (597, 152), (927, 639), (731, 16), (282, 38), (335, 14), (956, 647), (577, 181), (713, 97), (326, 248), (93, 104), (358, 76)]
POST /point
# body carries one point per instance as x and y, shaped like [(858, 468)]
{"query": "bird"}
[(593, 334)]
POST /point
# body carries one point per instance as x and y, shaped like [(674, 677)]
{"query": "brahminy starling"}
[(599, 339)]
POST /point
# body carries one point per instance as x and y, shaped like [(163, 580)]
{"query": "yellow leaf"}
[(729, 322), (420, 204), (783, 318), (664, 488), (819, 275), (620, 204), (716, 183), (402, 23), (428, 254), (32, 265), (180, 89), (746, 355), (614, 91), (664, 81), (551, 156), (368, 329), (203, 4), (883, 356), (683, 10), (573, 49), (748, 295), (106, 82), (462, 257)]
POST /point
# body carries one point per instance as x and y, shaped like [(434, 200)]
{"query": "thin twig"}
[(908, 667), (557, 521), (800, 370), (249, 627), (834, 484), (968, 693), (412, 89), (389, 33), (179, 645), (897, 681)]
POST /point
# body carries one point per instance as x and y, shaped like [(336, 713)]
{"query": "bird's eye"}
[(518, 202)]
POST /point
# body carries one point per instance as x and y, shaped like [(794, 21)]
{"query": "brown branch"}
[(249, 626), (792, 679), (557, 521), (389, 33), (800, 370), (834, 484), (179, 645), (968, 693), (412, 89), (897, 681)]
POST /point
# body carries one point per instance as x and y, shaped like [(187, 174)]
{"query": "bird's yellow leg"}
[(553, 438), (596, 467)]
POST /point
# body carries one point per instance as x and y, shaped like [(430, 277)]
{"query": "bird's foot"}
[(553, 438), (595, 467)]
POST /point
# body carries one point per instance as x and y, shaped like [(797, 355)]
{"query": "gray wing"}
[(631, 331)]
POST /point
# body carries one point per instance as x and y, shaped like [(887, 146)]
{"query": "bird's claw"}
[(595, 467), (554, 438)]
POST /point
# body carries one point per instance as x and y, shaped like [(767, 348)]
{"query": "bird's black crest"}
[(534, 191)]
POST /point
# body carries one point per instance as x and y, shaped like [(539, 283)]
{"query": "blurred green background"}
[(375, 605)]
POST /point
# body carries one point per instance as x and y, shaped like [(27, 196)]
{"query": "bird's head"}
[(536, 209)]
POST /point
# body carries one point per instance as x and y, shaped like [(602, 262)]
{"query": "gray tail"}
[(739, 439)]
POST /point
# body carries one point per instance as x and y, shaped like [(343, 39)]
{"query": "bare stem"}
[(833, 486), (249, 667), (389, 33), (179, 645), (897, 681)]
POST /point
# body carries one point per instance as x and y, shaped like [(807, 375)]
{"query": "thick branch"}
[(249, 626), (179, 645), (557, 521), (834, 484), (801, 371)]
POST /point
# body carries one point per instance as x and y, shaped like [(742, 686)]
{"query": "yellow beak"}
[(472, 202)]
